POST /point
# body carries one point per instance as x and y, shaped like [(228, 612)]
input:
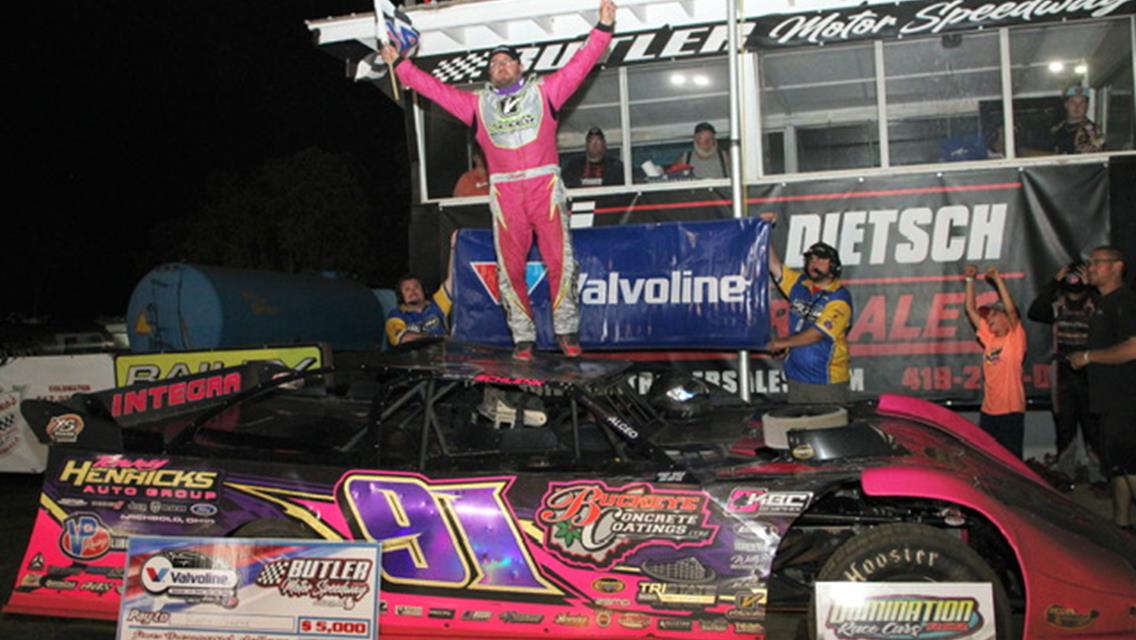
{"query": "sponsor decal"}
[(144, 618), (671, 476), (676, 624), (135, 401), (71, 502), (97, 587), (151, 367), (571, 620), (905, 618), (36, 563), (336, 581), (688, 570), (633, 620), (477, 616), (608, 585), (142, 477), (666, 595), (441, 614), (487, 275), (603, 618), (517, 617), (203, 509), (676, 288), (191, 576), (612, 602), (408, 610), (766, 502), (1068, 618), (58, 585), (85, 537), (31, 581), (65, 429), (592, 524), (749, 627), (714, 624)]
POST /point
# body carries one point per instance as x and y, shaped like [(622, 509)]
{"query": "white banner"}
[(904, 611), (42, 378)]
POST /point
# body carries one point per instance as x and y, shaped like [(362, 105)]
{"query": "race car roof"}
[(451, 360)]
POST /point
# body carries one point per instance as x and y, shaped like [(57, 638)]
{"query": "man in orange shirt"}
[(1003, 341)]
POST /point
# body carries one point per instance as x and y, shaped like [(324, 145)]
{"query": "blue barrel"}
[(190, 307)]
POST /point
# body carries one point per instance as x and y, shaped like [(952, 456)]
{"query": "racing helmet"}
[(826, 251), (679, 396)]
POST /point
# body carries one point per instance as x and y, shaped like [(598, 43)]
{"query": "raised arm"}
[(1041, 309), (461, 104), (1004, 295), (969, 273), (774, 261), (560, 86)]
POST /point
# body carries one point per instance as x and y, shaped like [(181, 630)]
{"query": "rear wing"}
[(98, 420)]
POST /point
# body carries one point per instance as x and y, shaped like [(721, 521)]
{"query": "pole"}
[(737, 194)]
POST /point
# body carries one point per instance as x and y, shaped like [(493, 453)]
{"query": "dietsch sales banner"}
[(904, 241)]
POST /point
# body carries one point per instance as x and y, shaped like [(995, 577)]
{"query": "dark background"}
[(208, 131)]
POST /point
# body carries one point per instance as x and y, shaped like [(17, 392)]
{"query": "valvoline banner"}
[(688, 285)]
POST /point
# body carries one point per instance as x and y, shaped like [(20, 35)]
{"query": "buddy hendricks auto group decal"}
[(596, 525)]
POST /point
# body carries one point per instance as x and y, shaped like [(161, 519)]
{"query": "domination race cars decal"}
[(528, 553)]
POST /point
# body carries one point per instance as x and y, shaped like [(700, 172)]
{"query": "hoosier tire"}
[(912, 553)]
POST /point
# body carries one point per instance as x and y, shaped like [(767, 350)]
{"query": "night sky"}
[(119, 113)]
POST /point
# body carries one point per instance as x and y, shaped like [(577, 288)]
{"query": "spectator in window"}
[(705, 160), (1003, 341), (596, 168), (1076, 133), (474, 182)]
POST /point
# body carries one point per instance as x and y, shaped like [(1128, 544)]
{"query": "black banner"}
[(914, 19)]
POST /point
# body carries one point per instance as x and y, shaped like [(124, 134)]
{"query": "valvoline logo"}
[(487, 275), (85, 537)]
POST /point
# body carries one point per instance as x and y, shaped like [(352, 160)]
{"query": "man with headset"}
[(820, 316)]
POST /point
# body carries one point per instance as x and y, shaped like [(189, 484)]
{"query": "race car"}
[(554, 499)]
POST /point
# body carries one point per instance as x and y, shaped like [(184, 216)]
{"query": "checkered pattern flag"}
[(272, 573), (462, 69)]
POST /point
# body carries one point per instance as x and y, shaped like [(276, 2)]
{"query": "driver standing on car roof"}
[(515, 121), (820, 316)]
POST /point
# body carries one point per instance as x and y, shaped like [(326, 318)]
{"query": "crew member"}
[(516, 120), (820, 316)]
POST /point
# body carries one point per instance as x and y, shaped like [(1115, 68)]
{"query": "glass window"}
[(823, 102), (944, 98), (595, 104), (667, 101), (444, 134), (1072, 87)]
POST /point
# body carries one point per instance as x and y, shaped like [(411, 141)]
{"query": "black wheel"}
[(912, 553), (274, 528)]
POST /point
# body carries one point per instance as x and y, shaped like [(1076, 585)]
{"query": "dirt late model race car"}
[(553, 499)]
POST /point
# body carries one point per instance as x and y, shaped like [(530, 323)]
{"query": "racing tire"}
[(881, 554), (274, 528)]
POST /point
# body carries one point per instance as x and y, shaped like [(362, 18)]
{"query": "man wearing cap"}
[(595, 168), (1066, 302), (515, 121), (1076, 133), (1111, 363), (820, 316), (705, 159), (1003, 340)]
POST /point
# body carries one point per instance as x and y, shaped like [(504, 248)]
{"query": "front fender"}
[(1061, 570)]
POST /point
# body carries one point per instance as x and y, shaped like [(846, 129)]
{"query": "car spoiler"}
[(97, 420)]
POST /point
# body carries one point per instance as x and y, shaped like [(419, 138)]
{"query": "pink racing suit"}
[(517, 131)]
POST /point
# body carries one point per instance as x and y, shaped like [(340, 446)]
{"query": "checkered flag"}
[(462, 69), (273, 573)]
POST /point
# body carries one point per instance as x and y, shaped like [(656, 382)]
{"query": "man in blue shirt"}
[(417, 316), (820, 316)]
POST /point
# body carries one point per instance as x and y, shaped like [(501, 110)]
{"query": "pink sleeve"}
[(560, 86), (461, 104)]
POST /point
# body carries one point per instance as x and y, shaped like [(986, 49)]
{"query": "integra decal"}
[(592, 524), (905, 618), (329, 580), (124, 403)]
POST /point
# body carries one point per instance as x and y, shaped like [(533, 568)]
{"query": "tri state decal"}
[(594, 525)]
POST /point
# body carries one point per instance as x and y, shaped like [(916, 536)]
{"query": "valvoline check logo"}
[(84, 537), (487, 274)]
